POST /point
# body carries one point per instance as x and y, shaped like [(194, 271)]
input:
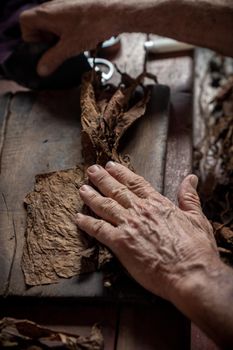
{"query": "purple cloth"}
[(10, 34)]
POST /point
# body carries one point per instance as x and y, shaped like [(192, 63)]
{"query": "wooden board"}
[(158, 326), (43, 135)]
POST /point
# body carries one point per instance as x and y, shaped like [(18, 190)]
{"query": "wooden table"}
[(24, 119)]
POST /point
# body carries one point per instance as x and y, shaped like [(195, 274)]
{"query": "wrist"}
[(194, 280), (205, 297)]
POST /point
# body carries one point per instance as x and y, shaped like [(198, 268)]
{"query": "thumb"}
[(52, 59), (188, 198)]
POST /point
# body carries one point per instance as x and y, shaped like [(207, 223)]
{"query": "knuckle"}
[(148, 211), (101, 178), (98, 227), (190, 197), (119, 191), (134, 221), (137, 181), (92, 195), (107, 203), (139, 184), (120, 174)]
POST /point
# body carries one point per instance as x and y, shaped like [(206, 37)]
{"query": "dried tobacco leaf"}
[(214, 164), (223, 235), (24, 334), (54, 246), (106, 115)]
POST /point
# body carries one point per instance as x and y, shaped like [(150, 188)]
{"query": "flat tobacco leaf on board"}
[(55, 248), (24, 334)]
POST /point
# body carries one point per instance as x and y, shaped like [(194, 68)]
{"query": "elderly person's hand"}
[(77, 24), (80, 25), (160, 244), (169, 250)]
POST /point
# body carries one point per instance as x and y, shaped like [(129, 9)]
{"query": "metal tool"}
[(101, 64), (164, 45)]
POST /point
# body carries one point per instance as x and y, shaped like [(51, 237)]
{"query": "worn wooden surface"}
[(152, 327), (43, 135), (124, 327)]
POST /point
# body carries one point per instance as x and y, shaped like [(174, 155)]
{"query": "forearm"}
[(207, 23), (207, 299)]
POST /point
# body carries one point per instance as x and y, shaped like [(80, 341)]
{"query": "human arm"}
[(81, 24), (169, 250)]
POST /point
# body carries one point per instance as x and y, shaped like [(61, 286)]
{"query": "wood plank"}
[(6, 224), (161, 317), (42, 136), (158, 326), (147, 140), (173, 70), (34, 144), (179, 144), (130, 58), (177, 73)]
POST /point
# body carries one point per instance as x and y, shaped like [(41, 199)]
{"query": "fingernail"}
[(194, 181), (43, 70), (93, 168), (78, 216), (85, 188), (110, 164)]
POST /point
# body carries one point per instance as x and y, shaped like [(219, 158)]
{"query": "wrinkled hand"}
[(79, 25), (159, 243)]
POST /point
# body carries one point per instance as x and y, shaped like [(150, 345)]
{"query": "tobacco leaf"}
[(223, 235), (214, 163), (107, 114), (24, 334), (54, 246)]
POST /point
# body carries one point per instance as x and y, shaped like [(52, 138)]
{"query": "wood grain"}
[(50, 124), (43, 135), (7, 238), (179, 145), (157, 326)]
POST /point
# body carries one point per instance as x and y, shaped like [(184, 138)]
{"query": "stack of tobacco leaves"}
[(27, 335), (214, 163), (54, 246)]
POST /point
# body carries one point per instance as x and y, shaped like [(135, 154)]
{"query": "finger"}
[(188, 198), (135, 183), (107, 208), (32, 25), (110, 187), (53, 58), (100, 229)]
